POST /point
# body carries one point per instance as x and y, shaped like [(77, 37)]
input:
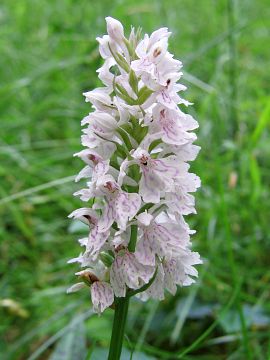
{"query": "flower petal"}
[(107, 218), (126, 207), (96, 240), (76, 287), (117, 278), (102, 296)]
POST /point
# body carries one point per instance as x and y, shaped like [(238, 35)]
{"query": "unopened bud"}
[(115, 29)]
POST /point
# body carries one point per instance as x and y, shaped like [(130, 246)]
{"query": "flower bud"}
[(115, 29)]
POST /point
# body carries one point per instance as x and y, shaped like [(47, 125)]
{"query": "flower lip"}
[(91, 220), (94, 158), (109, 185), (144, 159), (157, 52)]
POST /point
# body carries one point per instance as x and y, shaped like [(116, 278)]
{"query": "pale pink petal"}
[(117, 278), (188, 183), (99, 98), (76, 287), (107, 218), (86, 215), (145, 218), (122, 173), (126, 207), (150, 187), (156, 290), (181, 203), (96, 240), (135, 273), (85, 194), (101, 169), (169, 167), (86, 172), (102, 296), (170, 270), (144, 251), (115, 29)]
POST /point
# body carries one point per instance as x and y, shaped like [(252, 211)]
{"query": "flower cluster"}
[(137, 147)]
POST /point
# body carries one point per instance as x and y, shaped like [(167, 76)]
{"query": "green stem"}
[(119, 322), (133, 238)]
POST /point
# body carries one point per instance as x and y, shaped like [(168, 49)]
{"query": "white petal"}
[(86, 172), (105, 75), (156, 290), (76, 287), (169, 167), (144, 252), (102, 296), (144, 218), (107, 217), (84, 194), (117, 277), (158, 35), (122, 173), (150, 187), (126, 207), (83, 241), (96, 240), (87, 215), (135, 273), (99, 98)]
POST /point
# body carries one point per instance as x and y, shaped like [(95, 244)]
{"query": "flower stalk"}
[(119, 322), (138, 143)]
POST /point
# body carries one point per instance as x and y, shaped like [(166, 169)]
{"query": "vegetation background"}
[(49, 56)]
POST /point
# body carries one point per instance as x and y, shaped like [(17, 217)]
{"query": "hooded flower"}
[(96, 167), (127, 271), (159, 240), (158, 175), (120, 205), (172, 125), (97, 236)]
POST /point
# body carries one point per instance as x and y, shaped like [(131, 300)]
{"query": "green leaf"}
[(143, 95), (133, 81), (255, 177), (125, 138), (121, 61), (262, 123)]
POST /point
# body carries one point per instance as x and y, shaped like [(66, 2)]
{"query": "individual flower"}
[(97, 236), (158, 175), (172, 125), (127, 271), (96, 167), (120, 205), (101, 292), (159, 240)]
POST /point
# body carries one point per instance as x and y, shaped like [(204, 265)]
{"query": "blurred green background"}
[(48, 57)]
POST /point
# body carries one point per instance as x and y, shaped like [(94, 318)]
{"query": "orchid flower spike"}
[(137, 145)]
